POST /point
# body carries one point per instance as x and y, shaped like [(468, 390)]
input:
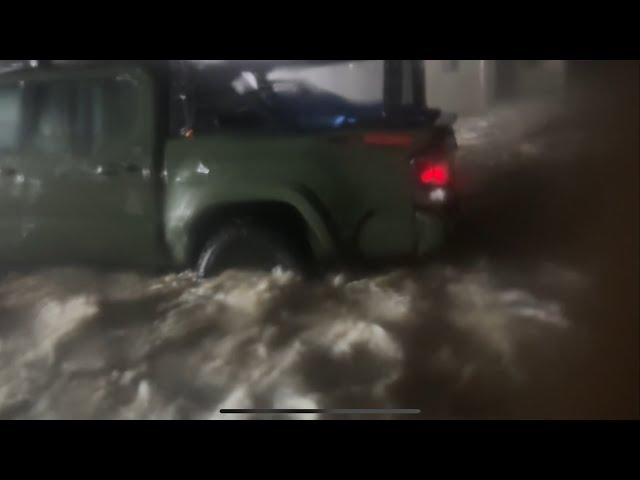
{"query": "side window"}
[(50, 128), (10, 117), (106, 114)]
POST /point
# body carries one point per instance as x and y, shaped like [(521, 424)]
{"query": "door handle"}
[(8, 171), (111, 170), (106, 170)]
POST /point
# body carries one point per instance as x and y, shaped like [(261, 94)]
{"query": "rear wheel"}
[(247, 246)]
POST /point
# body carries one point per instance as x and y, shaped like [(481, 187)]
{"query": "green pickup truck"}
[(218, 164)]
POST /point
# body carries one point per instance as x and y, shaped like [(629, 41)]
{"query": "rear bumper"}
[(435, 219)]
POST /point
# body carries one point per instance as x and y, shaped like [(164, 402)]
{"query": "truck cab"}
[(219, 164)]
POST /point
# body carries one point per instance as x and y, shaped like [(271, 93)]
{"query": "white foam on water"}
[(186, 348)]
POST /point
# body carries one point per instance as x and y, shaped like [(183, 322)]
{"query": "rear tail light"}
[(433, 170), (436, 175)]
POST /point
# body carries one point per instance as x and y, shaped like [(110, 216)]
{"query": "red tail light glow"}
[(436, 174)]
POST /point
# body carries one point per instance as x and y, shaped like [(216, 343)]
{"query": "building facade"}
[(473, 86)]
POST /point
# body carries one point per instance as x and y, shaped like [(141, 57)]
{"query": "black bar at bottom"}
[(335, 411)]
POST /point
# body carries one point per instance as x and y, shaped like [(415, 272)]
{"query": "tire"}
[(247, 246)]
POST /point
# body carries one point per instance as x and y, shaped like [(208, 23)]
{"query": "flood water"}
[(531, 311)]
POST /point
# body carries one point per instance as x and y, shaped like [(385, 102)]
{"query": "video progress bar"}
[(329, 411)]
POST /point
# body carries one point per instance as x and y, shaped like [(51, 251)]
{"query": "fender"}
[(185, 206)]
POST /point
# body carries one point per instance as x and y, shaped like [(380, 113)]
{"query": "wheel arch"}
[(299, 222)]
